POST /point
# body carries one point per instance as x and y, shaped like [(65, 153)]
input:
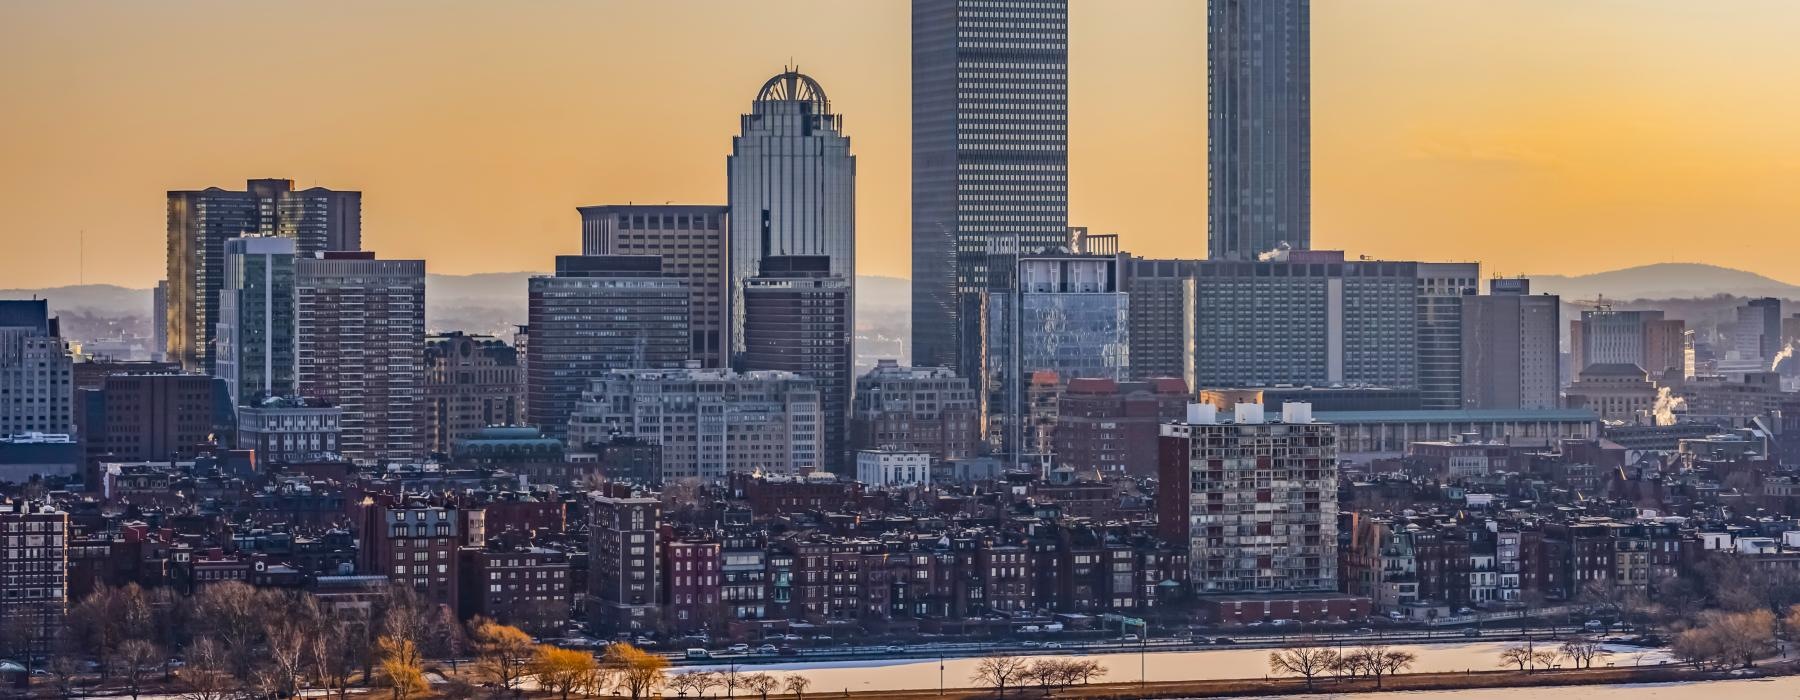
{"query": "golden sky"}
[(1536, 136)]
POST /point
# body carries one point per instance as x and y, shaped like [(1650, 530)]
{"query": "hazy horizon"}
[(1534, 136)]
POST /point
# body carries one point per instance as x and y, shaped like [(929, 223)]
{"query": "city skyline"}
[(1581, 141)]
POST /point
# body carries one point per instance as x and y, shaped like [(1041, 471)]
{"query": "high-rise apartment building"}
[(254, 339), (416, 545), (34, 577), (361, 347), (624, 557), (1259, 126), (1061, 313), (990, 101), (471, 382), (926, 410), (691, 240), (37, 376), (1605, 336), (710, 422), (1438, 322), (1511, 348), (797, 319), (199, 223), (599, 313), (1255, 500), (792, 186)]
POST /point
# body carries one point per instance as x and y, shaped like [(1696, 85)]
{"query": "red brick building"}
[(1109, 426)]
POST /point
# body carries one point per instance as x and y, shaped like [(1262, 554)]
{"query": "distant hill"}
[(98, 299), (1664, 281)]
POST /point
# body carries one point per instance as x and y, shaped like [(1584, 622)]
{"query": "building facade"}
[(289, 429), (1110, 427), (691, 240), (884, 469), (1254, 499), (709, 422), (916, 409), (797, 318), (1511, 347), (1604, 336), (1162, 319), (37, 383), (361, 340), (1063, 314), (1259, 126), (154, 416), (1617, 392), (597, 314), (990, 134), (254, 339), (416, 545), (624, 559), (792, 186), (34, 577), (471, 382)]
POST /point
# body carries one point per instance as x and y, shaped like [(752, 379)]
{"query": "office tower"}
[(990, 101), (1259, 126), (289, 429), (200, 221), (139, 417), (37, 390), (361, 347), (797, 319), (317, 219), (1060, 313), (34, 581), (1757, 334), (1438, 318), (915, 409), (415, 545), (1644, 338), (1511, 348), (1312, 317), (471, 382), (710, 422), (1254, 500), (1162, 318), (254, 339), (691, 240), (159, 326), (1110, 427), (599, 313), (792, 185), (624, 583)]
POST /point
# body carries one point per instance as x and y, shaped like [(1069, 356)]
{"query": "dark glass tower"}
[(990, 157), (1259, 126)]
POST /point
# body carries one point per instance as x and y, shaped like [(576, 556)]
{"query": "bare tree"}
[(133, 661), (732, 678), (204, 676), (1519, 655), (695, 682), (762, 683), (998, 672), (797, 684), (1379, 660), (1306, 661), (1581, 652)]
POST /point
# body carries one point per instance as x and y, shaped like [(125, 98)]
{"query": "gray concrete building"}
[(1511, 348), (791, 186), (1607, 336), (916, 409), (37, 383), (691, 239), (709, 422), (1259, 126), (1162, 318), (990, 96)]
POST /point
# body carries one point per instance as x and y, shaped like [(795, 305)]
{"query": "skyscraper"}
[(1511, 354), (990, 89), (792, 185), (200, 221), (691, 240), (254, 339), (599, 313), (360, 330), (1259, 126), (797, 319)]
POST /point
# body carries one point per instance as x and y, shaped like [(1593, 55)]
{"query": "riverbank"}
[(1219, 688)]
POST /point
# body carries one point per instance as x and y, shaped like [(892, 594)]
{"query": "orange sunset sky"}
[(1536, 136)]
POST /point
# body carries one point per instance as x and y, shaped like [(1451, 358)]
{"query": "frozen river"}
[(916, 673)]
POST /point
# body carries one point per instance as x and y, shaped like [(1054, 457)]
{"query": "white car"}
[(739, 649)]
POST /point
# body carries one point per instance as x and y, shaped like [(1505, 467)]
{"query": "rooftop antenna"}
[(81, 264)]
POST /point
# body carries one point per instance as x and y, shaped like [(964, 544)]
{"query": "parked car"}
[(895, 649), (1224, 640), (699, 654), (739, 648), (1471, 632)]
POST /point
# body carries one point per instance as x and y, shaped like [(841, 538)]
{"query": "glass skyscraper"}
[(792, 186), (1259, 126), (255, 334), (1059, 313), (990, 157)]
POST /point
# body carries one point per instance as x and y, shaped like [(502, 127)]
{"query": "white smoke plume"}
[(1787, 353), (1667, 403), (1278, 254)]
